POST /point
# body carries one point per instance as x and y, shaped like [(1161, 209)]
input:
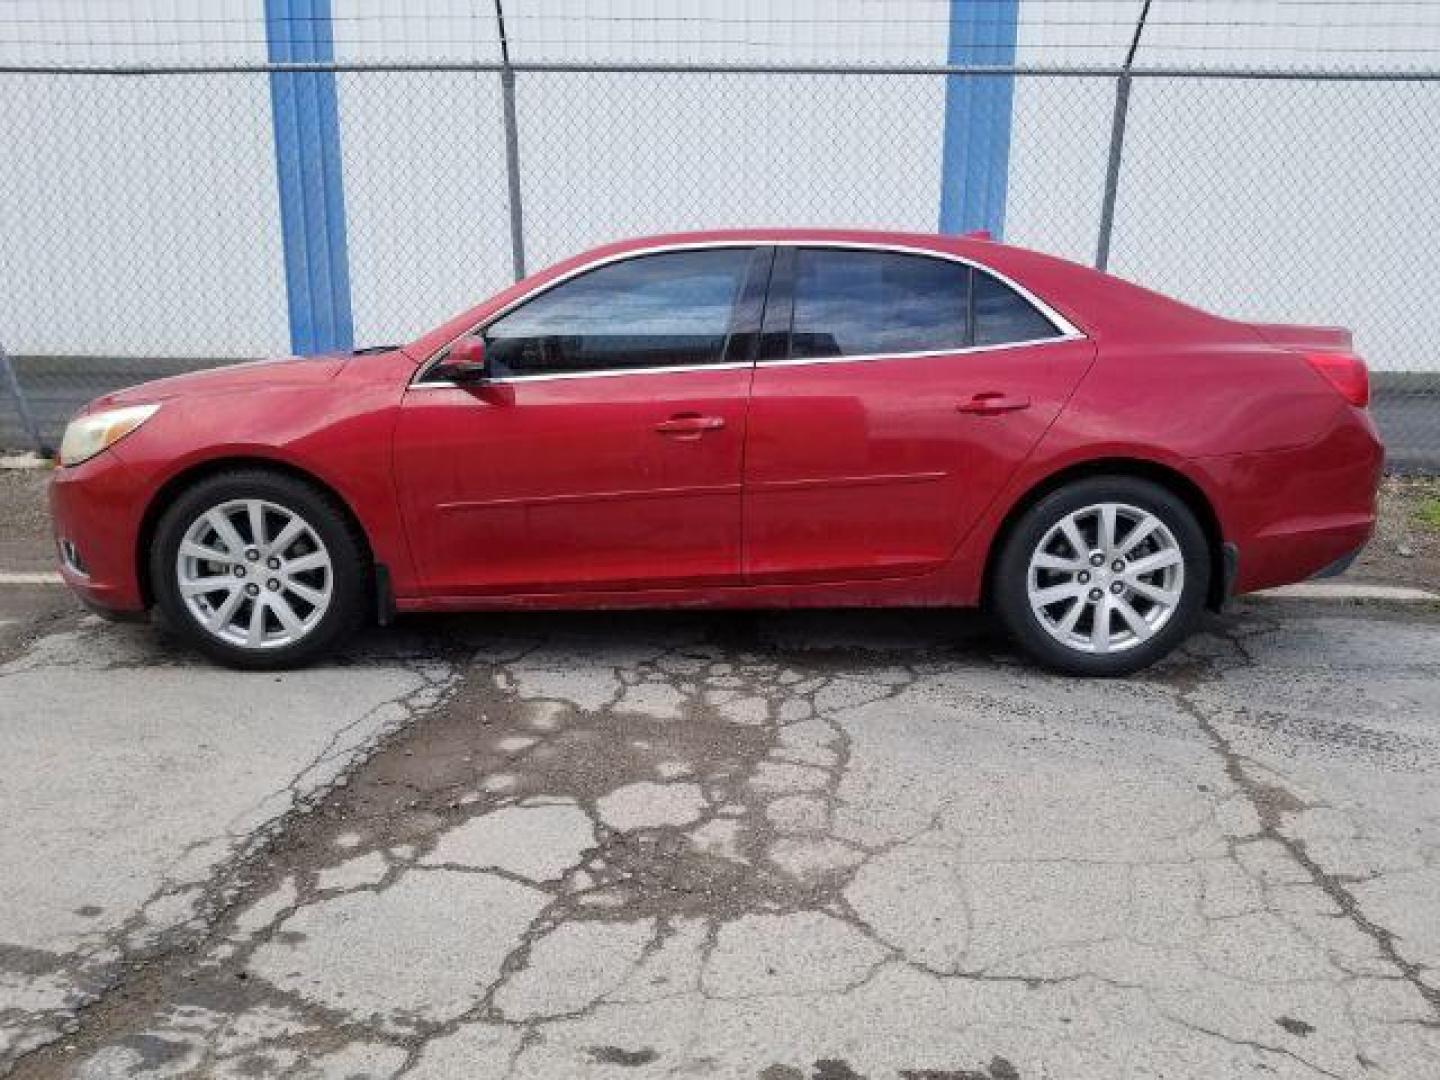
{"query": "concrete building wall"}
[(138, 216), (143, 214)]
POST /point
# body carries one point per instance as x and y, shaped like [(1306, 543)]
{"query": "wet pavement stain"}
[(998, 1069), (614, 1055)]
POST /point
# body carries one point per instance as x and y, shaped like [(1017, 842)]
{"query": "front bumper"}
[(96, 509)]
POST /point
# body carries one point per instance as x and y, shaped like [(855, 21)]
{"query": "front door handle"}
[(993, 404), (689, 425)]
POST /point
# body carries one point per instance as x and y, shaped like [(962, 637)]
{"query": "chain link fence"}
[(140, 235)]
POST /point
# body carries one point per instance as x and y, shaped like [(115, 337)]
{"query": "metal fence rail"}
[(1276, 195)]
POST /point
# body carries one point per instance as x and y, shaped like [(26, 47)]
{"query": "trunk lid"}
[(1306, 338)]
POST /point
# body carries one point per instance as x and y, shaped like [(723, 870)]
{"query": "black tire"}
[(350, 566), (1009, 587)]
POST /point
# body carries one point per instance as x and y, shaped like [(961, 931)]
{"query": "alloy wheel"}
[(254, 574), (1106, 578)]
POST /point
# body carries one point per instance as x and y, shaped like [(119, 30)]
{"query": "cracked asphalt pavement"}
[(781, 846)]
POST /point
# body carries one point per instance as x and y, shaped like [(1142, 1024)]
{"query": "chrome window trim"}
[(1065, 329), (866, 358), (607, 373)]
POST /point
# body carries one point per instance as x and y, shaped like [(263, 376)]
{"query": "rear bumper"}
[(1339, 566), (1300, 513), (95, 507), (1300, 549)]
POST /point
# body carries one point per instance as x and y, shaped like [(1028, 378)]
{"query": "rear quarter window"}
[(1003, 317)]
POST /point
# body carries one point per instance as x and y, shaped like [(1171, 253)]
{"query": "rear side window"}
[(1003, 316), (667, 310), (864, 303), (879, 303)]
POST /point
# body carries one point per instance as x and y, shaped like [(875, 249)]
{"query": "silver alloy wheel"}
[(254, 574), (1106, 578)]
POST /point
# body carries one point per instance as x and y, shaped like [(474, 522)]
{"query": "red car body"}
[(764, 485)]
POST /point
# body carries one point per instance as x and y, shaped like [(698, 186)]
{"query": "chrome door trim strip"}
[(698, 490), (867, 358), (806, 483), (608, 373)]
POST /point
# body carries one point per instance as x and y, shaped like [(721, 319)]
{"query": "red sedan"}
[(742, 419)]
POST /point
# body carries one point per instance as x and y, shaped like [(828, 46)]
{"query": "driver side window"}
[(671, 309)]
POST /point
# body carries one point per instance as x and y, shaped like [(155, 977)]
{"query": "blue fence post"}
[(308, 170), (975, 160)]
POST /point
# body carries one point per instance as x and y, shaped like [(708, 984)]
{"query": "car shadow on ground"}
[(855, 636)]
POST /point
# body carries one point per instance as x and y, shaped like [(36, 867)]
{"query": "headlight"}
[(88, 435)]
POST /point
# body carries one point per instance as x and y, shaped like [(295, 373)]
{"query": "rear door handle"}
[(993, 404), (689, 425)]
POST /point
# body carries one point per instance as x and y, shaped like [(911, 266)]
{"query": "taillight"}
[(1344, 371)]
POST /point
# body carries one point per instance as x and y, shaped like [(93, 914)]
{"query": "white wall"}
[(606, 156), (141, 215), (424, 157), (1274, 201)]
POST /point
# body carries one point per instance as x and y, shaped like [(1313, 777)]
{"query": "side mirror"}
[(465, 362)]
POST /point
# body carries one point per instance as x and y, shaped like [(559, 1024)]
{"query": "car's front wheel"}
[(1103, 576), (259, 569)]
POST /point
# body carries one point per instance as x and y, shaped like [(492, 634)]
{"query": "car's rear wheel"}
[(1103, 576), (259, 569)]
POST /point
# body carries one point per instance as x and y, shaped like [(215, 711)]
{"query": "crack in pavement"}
[(656, 823), (172, 921), (1271, 802)]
